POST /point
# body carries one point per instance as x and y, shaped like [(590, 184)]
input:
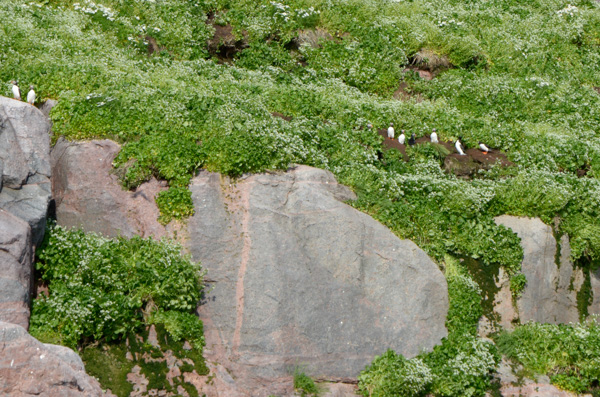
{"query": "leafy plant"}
[(101, 289)]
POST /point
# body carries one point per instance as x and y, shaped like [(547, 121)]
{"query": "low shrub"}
[(104, 289)]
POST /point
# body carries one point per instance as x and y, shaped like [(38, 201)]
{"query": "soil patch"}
[(403, 93), (281, 116), (462, 166), (224, 44)]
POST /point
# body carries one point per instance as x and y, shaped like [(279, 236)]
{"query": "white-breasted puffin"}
[(391, 131), (434, 136), (459, 147), (402, 138), (31, 95), (484, 148), (16, 91)]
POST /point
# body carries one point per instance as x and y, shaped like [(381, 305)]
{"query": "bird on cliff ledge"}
[(16, 91), (31, 95), (459, 147), (484, 148)]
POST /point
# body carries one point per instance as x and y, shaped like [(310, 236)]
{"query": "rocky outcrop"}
[(31, 368), (302, 279), (550, 295), (88, 196), (16, 269), (25, 164)]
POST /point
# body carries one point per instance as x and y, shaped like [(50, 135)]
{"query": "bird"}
[(31, 95), (16, 91), (391, 131), (402, 137), (434, 137), (459, 147), (412, 140), (484, 148)]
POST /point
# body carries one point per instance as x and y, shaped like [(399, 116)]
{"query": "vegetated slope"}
[(520, 76)]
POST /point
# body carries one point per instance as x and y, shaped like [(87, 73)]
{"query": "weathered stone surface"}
[(89, 196), (31, 368), (537, 390), (47, 106), (25, 157), (15, 269), (302, 279), (550, 295), (595, 281)]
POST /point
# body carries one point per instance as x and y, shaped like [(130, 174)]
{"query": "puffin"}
[(391, 131), (434, 137), (412, 140), (459, 147), (402, 138), (484, 148), (31, 95), (16, 91)]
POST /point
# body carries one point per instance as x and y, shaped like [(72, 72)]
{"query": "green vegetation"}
[(305, 385), (105, 292), (109, 363), (521, 76), (568, 354), (102, 289)]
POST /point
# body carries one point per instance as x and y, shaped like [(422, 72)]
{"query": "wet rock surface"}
[(302, 279), (550, 295)]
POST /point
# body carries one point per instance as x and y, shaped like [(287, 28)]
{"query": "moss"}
[(108, 363), (485, 276), (584, 296), (186, 367), (156, 373)]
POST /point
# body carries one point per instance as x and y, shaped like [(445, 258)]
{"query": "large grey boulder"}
[(550, 295), (31, 368), (89, 196), (16, 269), (25, 164), (302, 279)]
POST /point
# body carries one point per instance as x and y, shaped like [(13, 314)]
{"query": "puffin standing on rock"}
[(459, 147), (484, 148), (31, 95), (16, 91), (402, 138)]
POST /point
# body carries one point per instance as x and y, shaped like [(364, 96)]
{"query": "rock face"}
[(16, 269), (31, 368), (550, 295), (302, 279), (25, 164), (88, 196)]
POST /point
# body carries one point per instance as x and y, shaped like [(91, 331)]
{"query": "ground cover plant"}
[(305, 79), (568, 354), (104, 294)]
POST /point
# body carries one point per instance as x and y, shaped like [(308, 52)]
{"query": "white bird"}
[(391, 131), (16, 91), (483, 148), (31, 95), (459, 147), (434, 137), (402, 138)]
